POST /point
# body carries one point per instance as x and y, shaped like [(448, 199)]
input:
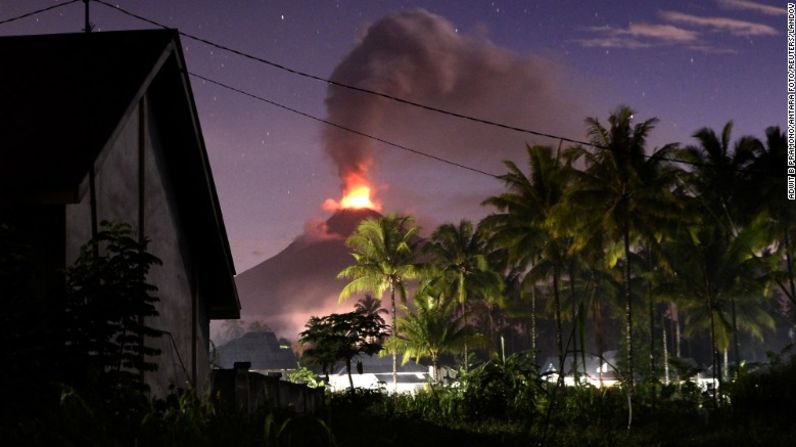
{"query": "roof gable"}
[(62, 97)]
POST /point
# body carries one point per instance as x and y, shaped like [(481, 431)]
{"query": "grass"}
[(501, 405)]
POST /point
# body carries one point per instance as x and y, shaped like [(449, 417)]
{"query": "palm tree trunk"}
[(598, 331), (574, 321), (726, 371), (533, 323), (462, 300), (394, 335), (628, 309), (677, 337), (348, 370), (652, 319), (735, 342), (464, 319), (665, 352), (714, 354), (557, 309)]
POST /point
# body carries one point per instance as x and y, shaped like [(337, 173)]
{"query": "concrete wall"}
[(184, 349)]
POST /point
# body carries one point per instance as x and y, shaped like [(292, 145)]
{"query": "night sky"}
[(540, 65)]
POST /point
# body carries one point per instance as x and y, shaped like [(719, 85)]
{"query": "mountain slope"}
[(301, 281)]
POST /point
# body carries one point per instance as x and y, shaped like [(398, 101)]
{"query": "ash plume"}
[(422, 57)]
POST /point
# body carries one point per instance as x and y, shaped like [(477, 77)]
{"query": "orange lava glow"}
[(357, 195)]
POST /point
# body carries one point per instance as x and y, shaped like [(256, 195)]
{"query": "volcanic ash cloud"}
[(420, 56)]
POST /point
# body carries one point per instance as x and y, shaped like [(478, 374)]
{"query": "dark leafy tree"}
[(107, 305), (339, 337)]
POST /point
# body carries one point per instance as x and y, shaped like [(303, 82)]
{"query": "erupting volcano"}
[(357, 194), (301, 281)]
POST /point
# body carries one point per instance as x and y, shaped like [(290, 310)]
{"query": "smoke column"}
[(421, 56)]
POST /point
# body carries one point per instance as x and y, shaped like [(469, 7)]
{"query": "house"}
[(377, 373), (598, 371), (103, 126), (261, 349)]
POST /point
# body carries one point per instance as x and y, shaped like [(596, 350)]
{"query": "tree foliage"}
[(342, 337), (108, 302)]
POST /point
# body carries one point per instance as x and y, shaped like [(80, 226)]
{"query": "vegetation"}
[(615, 245), (343, 337), (623, 242), (385, 254)]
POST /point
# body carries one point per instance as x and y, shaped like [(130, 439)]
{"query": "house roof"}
[(260, 348), (65, 98), (593, 362), (374, 364)]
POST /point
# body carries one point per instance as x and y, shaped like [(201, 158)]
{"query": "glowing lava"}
[(357, 195)]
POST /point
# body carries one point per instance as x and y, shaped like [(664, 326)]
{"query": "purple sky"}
[(691, 64)]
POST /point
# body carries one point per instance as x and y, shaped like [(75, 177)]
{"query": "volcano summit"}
[(301, 280)]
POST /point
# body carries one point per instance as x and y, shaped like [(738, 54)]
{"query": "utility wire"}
[(339, 126), (362, 90), (344, 85), (38, 11), (391, 97)]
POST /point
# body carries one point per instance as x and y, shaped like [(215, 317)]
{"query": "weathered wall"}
[(165, 232), (184, 348)]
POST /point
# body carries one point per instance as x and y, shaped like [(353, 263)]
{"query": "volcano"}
[(301, 280)]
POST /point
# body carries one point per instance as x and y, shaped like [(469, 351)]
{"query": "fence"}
[(248, 391)]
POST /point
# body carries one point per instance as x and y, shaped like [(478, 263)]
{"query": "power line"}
[(344, 85), (364, 90), (339, 126), (38, 11), (391, 97)]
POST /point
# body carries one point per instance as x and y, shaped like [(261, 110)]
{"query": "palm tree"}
[(617, 198), (720, 180), (432, 328), (522, 224), (369, 306), (459, 255), (711, 277), (767, 192), (384, 251)]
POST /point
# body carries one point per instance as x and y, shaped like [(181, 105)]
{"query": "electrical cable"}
[(339, 126), (391, 97), (367, 91), (38, 11)]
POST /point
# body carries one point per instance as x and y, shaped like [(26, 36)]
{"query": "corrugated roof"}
[(382, 365)]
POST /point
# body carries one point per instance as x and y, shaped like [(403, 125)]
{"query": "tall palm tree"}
[(458, 252), (719, 181), (369, 306), (432, 328), (384, 250), (521, 225), (712, 276), (767, 193), (615, 197)]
